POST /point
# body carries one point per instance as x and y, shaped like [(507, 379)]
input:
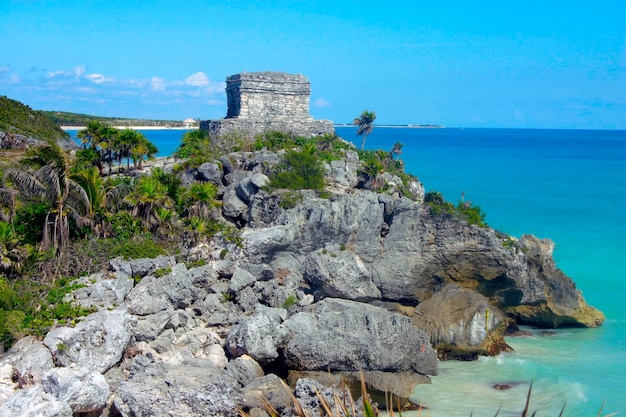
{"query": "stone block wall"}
[(267, 95), (268, 101)]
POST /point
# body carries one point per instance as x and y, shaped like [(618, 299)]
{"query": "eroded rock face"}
[(96, 344), (343, 335), (179, 390), (461, 323)]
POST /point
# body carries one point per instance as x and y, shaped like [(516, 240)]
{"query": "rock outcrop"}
[(363, 281)]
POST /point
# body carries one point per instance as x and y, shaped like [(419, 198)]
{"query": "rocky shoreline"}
[(362, 281)]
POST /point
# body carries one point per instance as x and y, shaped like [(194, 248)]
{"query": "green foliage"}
[(195, 145), (31, 307), (29, 222), (226, 297), (17, 118), (124, 225), (290, 199), (466, 211), (140, 247), (299, 170), (290, 301), (162, 272)]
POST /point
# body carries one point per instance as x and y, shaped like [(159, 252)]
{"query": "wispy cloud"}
[(78, 84), (322, 102)]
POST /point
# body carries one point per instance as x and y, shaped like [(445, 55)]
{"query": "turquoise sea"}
[(566, 185)]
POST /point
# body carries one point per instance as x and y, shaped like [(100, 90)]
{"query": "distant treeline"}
[(77, 119)]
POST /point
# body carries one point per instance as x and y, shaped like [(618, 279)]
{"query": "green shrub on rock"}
[(299, 170)]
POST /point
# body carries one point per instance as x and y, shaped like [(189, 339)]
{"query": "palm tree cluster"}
[(103, 144), (50, 199)]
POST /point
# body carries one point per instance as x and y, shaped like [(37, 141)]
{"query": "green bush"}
[(466, 211), (290, 301), (289, 200), (299, 170)]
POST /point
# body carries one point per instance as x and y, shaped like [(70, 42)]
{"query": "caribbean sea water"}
[(566, 185)]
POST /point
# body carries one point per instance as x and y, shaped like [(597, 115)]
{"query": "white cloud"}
[(199, 79), (322, 102), (98, 78), (158, 84)]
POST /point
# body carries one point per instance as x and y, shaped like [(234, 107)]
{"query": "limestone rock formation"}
[(363, 280)]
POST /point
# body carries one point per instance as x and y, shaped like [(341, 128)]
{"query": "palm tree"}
[(148, 195), (46, 175), (396, 151), (101, 196), (100, 138), (200, 198), (365, 122)]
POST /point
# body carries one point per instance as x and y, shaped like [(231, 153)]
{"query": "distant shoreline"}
[(134, 127), (399, 126)]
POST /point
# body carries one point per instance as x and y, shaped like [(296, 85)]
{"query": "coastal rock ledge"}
[(363, 281)]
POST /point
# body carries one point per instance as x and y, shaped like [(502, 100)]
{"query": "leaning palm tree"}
[(365, 122), (45, 174)]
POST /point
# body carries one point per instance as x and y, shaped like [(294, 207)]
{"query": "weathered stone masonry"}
[(268, 101)]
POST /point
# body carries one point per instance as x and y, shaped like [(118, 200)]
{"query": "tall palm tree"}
[(365, 122), (45, 174)]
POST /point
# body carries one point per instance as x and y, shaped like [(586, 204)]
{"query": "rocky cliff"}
[(364, 280)]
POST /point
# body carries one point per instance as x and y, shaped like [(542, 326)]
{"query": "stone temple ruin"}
[(268, 101)]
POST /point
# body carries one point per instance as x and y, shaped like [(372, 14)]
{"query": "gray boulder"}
[(182, 391), (209, 172), (34, 402), (96, 343), (250, 186), (338, 272), (342, 173), (343, 335), (462, 323), (174, 290), (258, 335), (84, 391), (102, 290), (29, 360), (244, 369)]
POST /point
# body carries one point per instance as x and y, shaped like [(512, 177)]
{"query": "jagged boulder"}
[(29, 360), (96, 343), (343, 335), (338, 272), (84, 391), (34, 402), (181, 390), (258, 335), (462, 323)]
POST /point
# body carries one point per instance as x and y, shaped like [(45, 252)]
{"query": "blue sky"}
[(537, 64)]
